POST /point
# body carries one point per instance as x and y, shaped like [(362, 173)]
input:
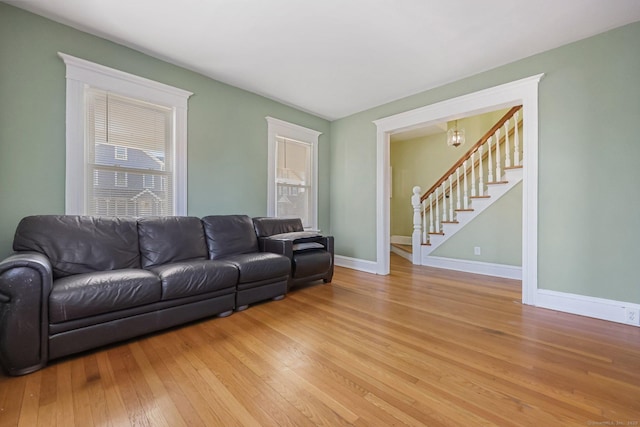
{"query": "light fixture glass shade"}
[(455, 136)]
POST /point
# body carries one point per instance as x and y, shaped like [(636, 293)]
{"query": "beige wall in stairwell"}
[(421, 161)]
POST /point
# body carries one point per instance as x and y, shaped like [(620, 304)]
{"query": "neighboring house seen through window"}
[(124, 131), (293, 172)]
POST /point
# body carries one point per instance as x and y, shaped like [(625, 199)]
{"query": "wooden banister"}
[(473, 148)]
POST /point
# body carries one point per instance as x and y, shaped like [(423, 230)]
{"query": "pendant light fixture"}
[(455, 136)]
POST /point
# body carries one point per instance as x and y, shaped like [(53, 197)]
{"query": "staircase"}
[(462, 193)]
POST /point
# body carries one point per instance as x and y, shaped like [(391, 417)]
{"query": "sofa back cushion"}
[(80, 244), (268, 226), (164, 240), (229, 235)]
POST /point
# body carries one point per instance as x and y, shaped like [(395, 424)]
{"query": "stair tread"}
[(480, 197), (450, 222), (438, 233), (406, 248), (497, 182), (512, 167), (464, 210)]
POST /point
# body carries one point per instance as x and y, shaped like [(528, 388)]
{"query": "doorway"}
[(524, 92)]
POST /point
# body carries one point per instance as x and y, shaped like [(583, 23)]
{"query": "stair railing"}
[(439, 205)]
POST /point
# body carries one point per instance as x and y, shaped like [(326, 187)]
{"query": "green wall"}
[(589, 146), (227, 130)]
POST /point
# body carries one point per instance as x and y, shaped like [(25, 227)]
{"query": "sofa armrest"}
[(287, 247), (25, 282), (276, 246)]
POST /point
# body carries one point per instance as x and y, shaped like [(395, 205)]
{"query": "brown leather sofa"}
[(76, 283)]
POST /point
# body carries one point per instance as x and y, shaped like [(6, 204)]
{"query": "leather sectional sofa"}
[(75, 282)]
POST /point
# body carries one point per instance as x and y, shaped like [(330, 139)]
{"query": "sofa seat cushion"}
[(260, 266), (183, 279), (83, 295), (311, 263)]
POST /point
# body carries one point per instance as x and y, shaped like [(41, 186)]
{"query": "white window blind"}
[(293, 179), (129, 146)]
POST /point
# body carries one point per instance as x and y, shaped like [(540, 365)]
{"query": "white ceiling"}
[(334, 58)]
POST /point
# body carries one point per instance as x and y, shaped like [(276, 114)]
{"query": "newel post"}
[(417, 225)]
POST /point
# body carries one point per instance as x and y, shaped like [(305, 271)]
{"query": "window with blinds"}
[(293, 179), (126, 143), (292, 172), (129, 148)]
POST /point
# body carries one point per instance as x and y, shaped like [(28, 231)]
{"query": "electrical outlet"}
[(632, 316), (476, 250)]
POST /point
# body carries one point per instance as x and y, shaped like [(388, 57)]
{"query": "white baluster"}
[(507, 148), (431, 229), (516, 143), (490, 162), (464, 172), (417, 225), (473, 174), (444, 203), (424, 221), (458, 188), (450, 197), (437, 226), (498, 157), (480, 173)]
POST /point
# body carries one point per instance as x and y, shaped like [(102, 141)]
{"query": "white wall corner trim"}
[(476, 267), (356, 264), (599, 308)]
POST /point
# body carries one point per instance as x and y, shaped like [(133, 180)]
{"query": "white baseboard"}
[(356, 264), (402, 240), (599, 308), (477, 267)]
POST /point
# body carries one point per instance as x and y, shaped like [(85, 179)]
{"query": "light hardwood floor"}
[(421, 346)]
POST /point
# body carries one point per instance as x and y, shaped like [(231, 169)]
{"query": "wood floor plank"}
[(421, 346)]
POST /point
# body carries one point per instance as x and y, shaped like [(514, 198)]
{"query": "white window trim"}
[(275, 128), (80, 73)]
